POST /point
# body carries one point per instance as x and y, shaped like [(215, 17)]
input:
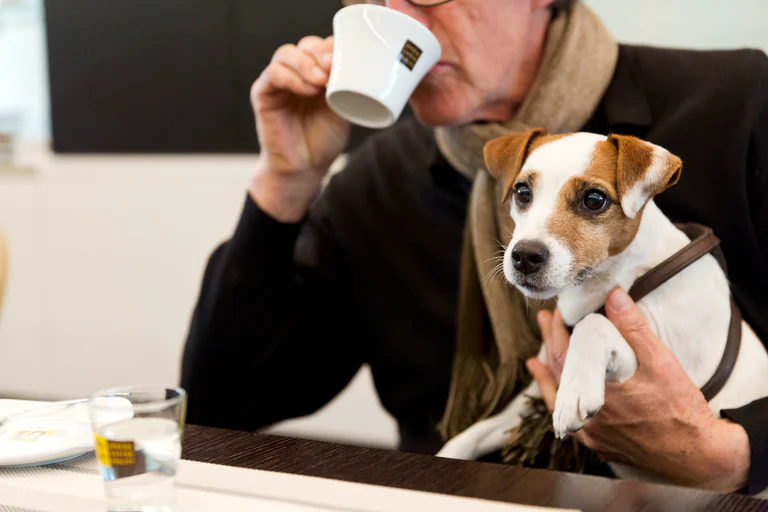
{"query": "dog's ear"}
[(643, 170), (504, 156)]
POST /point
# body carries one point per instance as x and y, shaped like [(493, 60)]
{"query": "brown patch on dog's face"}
[(593, 236), (603, 170)]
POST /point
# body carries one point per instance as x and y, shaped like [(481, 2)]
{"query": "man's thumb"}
[(624, 314)]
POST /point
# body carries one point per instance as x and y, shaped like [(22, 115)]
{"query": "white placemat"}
[(76, 486)]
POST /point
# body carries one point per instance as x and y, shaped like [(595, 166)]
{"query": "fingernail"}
[(318, 73), (327, 58), (620, 300)]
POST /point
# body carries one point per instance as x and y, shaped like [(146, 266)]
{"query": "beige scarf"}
[(497, 330)]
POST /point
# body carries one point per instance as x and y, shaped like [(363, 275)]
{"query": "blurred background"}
[(126, 140)]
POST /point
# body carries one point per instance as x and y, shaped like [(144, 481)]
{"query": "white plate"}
[(44, 437)]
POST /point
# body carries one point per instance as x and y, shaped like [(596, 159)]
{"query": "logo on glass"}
[(409, 55)]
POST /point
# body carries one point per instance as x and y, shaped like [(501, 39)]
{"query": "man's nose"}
[(529, 256)]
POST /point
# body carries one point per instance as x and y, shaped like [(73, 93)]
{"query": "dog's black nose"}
[(529, 256)]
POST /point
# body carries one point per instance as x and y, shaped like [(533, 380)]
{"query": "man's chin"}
[(433, 117), (433, 106)]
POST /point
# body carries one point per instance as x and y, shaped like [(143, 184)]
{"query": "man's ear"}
[(504, 156), (643, 170)]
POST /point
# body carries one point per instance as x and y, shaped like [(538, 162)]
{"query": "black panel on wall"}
[(169, 76)]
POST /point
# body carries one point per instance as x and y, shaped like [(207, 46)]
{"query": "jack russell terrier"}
[(586, 223)]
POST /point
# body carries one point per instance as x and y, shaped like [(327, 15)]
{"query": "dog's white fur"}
[(690, 313)]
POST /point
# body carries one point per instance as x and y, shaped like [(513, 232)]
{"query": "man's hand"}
[(299, 135), (658, 420)]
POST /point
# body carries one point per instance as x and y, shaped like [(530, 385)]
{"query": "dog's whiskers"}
[(495, 256), (495, 273)]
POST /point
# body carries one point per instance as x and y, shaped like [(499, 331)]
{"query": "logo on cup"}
[(409, 55)]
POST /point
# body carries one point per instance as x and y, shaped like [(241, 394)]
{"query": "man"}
[(309, 288)]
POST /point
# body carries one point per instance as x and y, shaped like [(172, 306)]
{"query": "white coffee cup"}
[(379, 57)]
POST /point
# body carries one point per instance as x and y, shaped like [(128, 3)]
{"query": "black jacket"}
[(287, 314)]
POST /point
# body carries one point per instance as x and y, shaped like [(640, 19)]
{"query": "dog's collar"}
[(703, 242)]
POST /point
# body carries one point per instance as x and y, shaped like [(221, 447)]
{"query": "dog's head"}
[(576, 199)]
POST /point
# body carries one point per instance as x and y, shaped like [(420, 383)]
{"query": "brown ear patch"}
[(634, 159), (504, 156), (642, 171)]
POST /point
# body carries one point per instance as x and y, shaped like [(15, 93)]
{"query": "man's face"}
[(483, 61)]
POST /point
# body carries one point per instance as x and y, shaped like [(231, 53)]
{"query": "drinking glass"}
[(138, 445)]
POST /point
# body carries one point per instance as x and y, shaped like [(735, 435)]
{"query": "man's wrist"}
[(284, 196), (729, 456)]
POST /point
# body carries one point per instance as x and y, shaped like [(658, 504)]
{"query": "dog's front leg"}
[(597, 352)]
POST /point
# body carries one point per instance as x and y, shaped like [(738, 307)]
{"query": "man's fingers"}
[(544, 379), (283, 78), (328, 51), (303, 63), (319, 49), (561, 338), (544, 319), (556, 339)]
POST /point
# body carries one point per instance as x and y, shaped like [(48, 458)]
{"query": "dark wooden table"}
[(460, 478)]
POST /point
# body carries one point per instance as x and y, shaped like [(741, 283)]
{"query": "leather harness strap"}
[(703, 242), (731, 353)]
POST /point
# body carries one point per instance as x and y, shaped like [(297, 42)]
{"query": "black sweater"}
[(288, 313)]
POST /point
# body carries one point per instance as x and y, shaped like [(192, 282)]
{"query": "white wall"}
[(700, 24), (107, 252)]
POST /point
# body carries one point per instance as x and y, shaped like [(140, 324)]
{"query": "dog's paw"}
[(577, 401), (459, 448)]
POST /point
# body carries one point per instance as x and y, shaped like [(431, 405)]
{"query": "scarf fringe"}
[(533, 443)]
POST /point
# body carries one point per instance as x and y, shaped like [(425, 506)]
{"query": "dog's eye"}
[(594, 200), (523, 194)]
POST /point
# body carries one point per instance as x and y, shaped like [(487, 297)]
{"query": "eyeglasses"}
[(415, 3)]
